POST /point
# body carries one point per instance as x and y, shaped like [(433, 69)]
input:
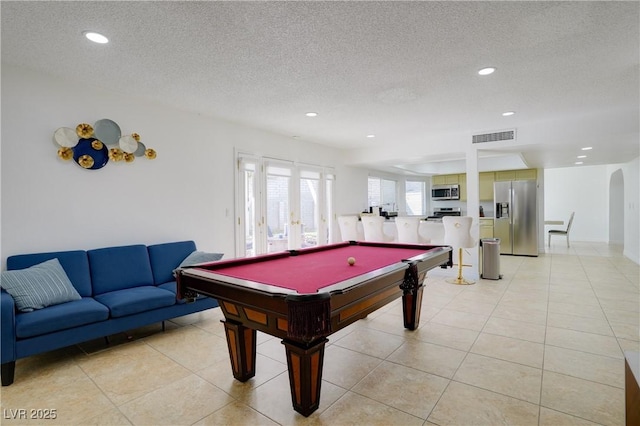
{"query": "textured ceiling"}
[(404, 71)]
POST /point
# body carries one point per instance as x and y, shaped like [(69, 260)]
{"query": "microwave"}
[(445, 192)]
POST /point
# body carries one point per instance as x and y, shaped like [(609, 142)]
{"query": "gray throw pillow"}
[(200, 257), (39, 286)]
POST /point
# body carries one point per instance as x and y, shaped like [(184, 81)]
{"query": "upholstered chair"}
[(372, 226), (348, 227), (408, 229), (457, 235)]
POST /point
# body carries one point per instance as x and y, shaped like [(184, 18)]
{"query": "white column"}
[(473, 207)]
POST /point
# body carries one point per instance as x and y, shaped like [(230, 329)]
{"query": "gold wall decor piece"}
[(116, 154), (86, 161), (84, 130), (65, 153), (92, 147)]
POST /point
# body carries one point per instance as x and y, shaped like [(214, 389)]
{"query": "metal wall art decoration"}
[(92, 147)]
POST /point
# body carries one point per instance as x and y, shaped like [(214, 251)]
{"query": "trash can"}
[(490, 258)]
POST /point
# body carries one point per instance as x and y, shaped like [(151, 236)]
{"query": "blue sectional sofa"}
[(120, 288)]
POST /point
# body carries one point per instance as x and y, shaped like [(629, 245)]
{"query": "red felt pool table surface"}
[(309, 272)]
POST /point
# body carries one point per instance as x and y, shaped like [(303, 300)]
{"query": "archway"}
[(616, 208)]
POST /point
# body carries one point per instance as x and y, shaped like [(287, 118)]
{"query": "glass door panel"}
[(249, 232), (250, 220), (326, 231), (278, 213), (309, 208)]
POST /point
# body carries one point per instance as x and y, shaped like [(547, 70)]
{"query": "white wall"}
[(586, 191), (186, 193), (616, 208), (631, 177)]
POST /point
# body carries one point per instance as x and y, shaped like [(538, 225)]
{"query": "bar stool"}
[(408, 229), (348, 227), (457, 234), (372, 226), (431, 232)]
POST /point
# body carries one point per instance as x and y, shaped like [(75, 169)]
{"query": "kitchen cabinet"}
[(438, 180), (451, 179), (522, 174), (486, 227), (486, 180), (503, 175), (526, 174), (485, 184), (446, 179)]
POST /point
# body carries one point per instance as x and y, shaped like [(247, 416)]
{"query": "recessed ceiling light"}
[(486, 71), (371, 136), (578, 162), (508, 113), (311, 114), (587, 148), (96, 37), (582, 156)]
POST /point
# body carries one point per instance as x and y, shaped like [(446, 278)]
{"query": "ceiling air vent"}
[(504, 135)]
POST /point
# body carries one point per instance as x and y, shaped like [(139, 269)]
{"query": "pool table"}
[(303, 296)]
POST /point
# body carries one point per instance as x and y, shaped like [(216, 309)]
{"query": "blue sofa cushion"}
[(60, 317), (39, 286), (200, 257), (139, 299), (117, 268), (166, 257), (75, 263)]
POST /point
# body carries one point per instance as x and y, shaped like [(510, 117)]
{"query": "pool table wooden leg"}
[(305, 374), (412, 299), (241, 341), (411, 303)]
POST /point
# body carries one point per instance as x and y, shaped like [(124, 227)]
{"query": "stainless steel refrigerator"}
[(516, 217)]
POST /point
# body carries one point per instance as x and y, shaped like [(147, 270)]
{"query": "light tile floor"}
[(542, 346)]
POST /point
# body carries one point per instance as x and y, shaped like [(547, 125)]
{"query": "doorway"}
[(282, 205)]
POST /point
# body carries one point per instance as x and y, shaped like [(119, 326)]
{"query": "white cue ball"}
[(351, 261)]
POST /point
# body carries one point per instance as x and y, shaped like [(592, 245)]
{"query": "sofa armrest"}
[(8, 324)]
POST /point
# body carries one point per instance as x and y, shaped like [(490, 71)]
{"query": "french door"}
[(282, 205)]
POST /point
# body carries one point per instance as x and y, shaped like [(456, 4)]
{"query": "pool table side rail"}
[(206, 274)]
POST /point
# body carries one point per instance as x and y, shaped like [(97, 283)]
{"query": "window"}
[(415, 198), (382, 193)]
